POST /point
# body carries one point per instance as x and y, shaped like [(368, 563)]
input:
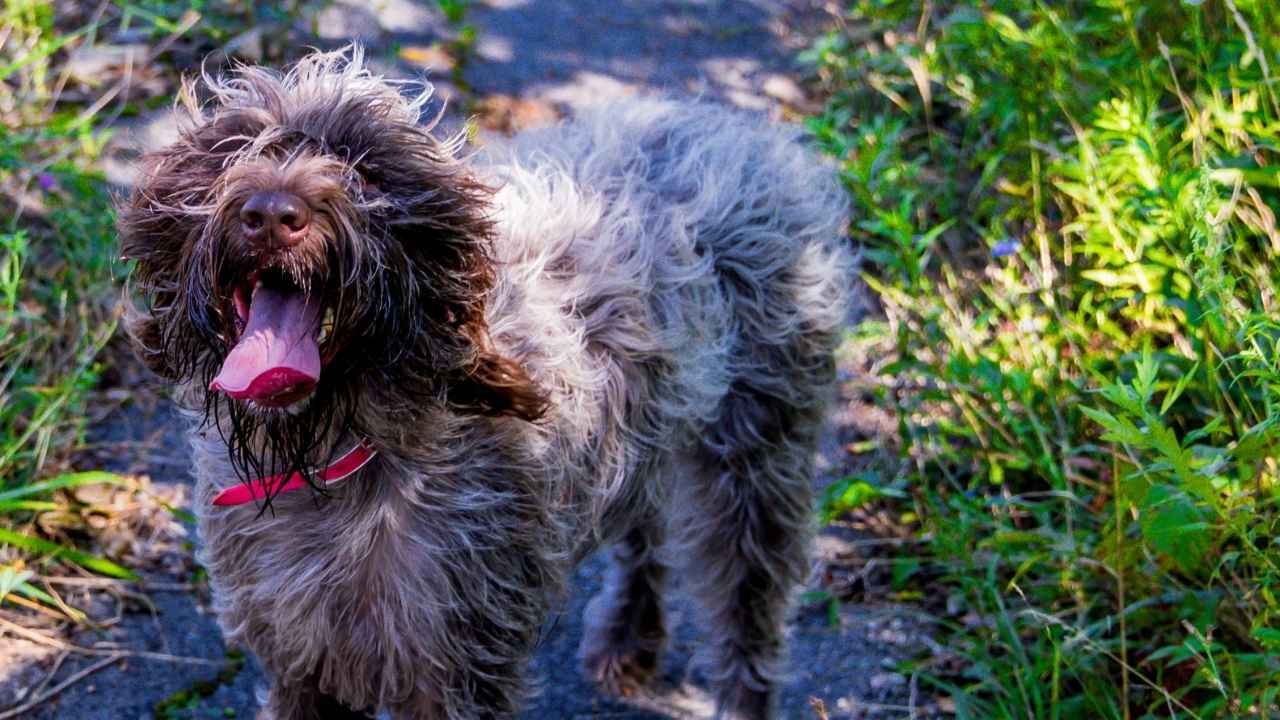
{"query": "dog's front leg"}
[(488, 604), (482, 673), (303, 700)]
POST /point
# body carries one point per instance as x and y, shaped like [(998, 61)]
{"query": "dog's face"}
[(306, 246)]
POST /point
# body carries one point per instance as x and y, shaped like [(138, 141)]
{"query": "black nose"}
[(277, 217)]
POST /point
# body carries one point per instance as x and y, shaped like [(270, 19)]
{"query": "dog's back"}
[(689, 253)]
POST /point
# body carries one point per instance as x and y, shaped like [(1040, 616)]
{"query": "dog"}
[(425, 380)]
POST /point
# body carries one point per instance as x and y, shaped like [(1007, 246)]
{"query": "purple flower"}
[(1005, 248), (47, 182)]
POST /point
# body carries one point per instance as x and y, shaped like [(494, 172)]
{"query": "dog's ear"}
[(149, 236), (146, 334), (447, 236), (498, 386), (155, 223)]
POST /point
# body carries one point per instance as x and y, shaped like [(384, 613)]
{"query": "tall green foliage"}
[(1069, 209), (57, 295)]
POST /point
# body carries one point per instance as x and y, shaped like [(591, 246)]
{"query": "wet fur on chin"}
[(613, 332)]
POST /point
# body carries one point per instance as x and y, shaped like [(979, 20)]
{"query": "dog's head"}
[(306, 245)]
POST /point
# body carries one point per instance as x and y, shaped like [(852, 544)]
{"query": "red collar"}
[(340, 469)]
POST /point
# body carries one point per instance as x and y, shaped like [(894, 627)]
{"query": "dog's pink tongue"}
[(277, 361)]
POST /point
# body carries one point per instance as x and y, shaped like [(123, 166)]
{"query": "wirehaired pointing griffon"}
[(424, 383)]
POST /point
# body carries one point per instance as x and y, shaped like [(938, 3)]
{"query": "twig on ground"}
[(99, 582), (53, 642), (34, 606), (66, 609), (883, 541), (881, 707), (90, 38), (20, 710), (48, 678)]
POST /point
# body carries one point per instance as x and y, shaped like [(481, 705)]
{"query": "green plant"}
[(184, 703), (57, 294), (1068, 213), (462, 45)]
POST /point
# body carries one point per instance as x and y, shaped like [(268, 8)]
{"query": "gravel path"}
[(534, 59)]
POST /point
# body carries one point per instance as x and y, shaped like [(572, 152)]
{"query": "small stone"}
[(784, 89), (880, 681), (432, 57)]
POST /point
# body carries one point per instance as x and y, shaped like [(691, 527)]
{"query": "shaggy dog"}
[(613, 332)]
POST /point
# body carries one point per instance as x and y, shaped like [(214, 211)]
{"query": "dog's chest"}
[(351, 571)]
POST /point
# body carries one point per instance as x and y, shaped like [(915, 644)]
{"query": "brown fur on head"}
[(398, 247)]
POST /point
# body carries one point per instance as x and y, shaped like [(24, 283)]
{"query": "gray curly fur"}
[(672, 276)]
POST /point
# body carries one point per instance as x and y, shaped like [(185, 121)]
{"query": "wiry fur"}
[(628, 341)]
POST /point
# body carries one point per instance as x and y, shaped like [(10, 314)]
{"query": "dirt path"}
[(534, 59)]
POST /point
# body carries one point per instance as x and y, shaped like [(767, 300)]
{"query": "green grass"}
[(193, 701), (462, 45), (1069, 213), (59, 291)]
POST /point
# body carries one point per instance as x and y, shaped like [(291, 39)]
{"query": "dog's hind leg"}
[(625, 633), (744, 521)]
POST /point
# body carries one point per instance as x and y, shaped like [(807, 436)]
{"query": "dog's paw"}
[(740, 702), (623, 668)]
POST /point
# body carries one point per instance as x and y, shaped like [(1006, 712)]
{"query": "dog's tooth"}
[(326, 324)]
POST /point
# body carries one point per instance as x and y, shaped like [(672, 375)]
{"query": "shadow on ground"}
[(584, 51)]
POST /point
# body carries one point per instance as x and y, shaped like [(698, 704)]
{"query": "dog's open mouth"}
[(276, 360)]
